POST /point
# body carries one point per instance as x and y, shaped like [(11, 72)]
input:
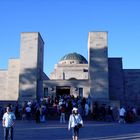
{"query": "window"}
[(80, 92), (45, 92)]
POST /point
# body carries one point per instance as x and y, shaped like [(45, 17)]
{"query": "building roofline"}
[(132, 69), (98, 31), (35, 32), (115, 58), (14, 58), (3, 69)]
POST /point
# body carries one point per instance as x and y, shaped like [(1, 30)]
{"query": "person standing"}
[(75, 119), (62, 115), (37, 115), (122, 113), (8, 121), (28, 112)]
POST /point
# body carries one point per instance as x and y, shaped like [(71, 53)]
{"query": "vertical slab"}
[(3, 84), (31, 65), (98, 65), (13, 80), (116, 79)]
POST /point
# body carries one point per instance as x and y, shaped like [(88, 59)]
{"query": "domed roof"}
[(75, 56)]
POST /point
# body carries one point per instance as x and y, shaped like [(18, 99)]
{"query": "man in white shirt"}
[(122, 113), (8, 121)]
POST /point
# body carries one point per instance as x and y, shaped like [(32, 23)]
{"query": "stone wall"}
[(116, 83), (73, 84), (68, 71), (9, 81), (3, 84), (98, 65), (31, 65), (132, 87), (13, 80)]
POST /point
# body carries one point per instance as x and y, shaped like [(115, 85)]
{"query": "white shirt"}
[(8, 119), (73, 121), (122, 112)]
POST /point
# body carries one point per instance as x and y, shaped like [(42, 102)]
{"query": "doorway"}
[(62, 90)]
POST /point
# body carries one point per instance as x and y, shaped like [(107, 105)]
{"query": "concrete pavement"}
[(53, 130)]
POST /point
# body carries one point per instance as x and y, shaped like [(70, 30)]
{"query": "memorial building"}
[(99, 78)]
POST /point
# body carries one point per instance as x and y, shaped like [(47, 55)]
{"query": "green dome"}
[(75, 56)]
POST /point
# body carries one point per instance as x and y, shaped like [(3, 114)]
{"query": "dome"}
[(74, 57)]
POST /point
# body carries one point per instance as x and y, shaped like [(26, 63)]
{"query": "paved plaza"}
[(53, 130)]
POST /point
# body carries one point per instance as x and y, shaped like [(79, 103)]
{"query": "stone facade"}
[(74, 85), (13, 79), (101, 78), (3, 84), (68, 71), (132, 87), (23, 79), (116, 79), (98, 65), (9, 83), (31, 65)]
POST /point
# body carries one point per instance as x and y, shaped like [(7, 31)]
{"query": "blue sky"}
[(64, 26)]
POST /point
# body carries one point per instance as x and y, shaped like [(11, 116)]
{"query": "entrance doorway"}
[(62, 90)]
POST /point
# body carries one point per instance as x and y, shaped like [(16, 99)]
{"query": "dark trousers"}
[(8, 133)]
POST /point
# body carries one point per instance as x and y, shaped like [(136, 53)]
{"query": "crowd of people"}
[(50, 108), (108, 113), (64, 108), (61, 107)]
